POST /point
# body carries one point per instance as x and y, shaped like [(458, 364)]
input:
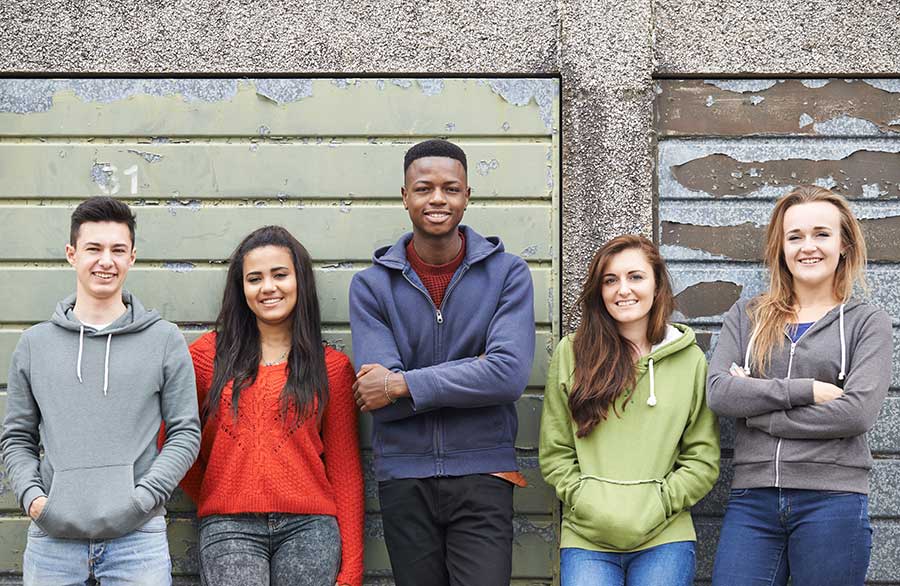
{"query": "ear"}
[(70, 254), (403, 198), (133, 256)]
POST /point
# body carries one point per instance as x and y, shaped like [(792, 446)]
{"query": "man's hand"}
[(37, 507), (369, 388)]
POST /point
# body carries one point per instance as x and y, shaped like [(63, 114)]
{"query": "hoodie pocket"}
[(91, 503), (617, 514)]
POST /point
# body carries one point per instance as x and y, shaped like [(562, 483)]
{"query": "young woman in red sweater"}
[(278, 483)]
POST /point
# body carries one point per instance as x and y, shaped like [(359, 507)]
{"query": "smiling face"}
[(628, 287), (270, 284), (436, 193), (812, 243), (102, 254)]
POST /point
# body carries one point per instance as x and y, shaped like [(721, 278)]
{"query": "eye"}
[(281, 275), (609, 281), (793, 237), (823, 234), (637, 277), (253, 279)]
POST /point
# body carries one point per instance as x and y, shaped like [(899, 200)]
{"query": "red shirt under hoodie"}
[(259, 465)]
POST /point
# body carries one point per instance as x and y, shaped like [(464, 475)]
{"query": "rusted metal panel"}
[(757, 168), (792, 107)]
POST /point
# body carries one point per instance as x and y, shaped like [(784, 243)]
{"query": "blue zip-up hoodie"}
[(465, 363)]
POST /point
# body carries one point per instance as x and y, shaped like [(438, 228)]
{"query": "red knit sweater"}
[(259, 465)]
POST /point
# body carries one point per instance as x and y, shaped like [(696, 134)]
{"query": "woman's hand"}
[(37, 507), (370, 390), (824, 392)]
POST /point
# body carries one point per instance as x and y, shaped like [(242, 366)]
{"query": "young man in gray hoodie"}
[(91, 387)]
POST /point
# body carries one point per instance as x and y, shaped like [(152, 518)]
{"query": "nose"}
[(106, 257), (624, 289), (268, 284), (808, 244), (438, 197)]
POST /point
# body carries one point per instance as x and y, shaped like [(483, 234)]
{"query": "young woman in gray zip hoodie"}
[(803, 368)]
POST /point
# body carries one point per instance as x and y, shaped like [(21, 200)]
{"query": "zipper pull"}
[(793, 345), (440, 316)]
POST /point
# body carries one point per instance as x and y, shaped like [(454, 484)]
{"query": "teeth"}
[(629, 302), (105, 275), (270, 301), (809, 261)]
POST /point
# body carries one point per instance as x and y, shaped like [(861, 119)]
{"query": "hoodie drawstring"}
[(80, 351), (106, 365), (843, 346), (105, 360), (652, 399), (747, 354)]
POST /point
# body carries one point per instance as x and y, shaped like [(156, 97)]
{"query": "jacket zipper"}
[(438, 438), (778, 446)]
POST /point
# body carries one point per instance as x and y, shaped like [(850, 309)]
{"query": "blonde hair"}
[(773, 309)]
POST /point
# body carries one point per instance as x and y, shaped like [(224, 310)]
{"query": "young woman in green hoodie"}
[(626, 437)]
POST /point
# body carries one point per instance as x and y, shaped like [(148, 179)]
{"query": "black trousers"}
[(448, 531)]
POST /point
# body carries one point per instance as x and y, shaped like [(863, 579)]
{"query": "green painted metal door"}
[(203, 162)]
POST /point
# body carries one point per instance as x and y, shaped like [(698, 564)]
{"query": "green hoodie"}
[(630, 483)]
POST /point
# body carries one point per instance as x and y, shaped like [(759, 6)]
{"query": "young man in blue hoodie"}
[(443, 331), (90, 387)]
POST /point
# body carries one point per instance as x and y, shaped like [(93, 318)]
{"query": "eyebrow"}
[(814, 228), (273, 269), (641, 271)]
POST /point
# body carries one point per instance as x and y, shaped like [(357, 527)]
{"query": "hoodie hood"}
[(135, 319), (478, 248), (677, 338)]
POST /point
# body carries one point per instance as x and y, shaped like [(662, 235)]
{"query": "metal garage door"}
[(205, 161)]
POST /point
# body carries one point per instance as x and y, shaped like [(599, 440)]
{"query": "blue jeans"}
[(139, 558), (669, 564), (269, 549), (815, 537)]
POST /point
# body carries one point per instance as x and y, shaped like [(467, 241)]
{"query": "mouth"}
[(626, 303), (271, 301), (104, 276), (437, 216), (810, 261)]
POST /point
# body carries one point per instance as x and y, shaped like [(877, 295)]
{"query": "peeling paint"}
[(815, 83), (688, 168), (404, 83), (742, 85), (179, 267), (741, 242), (337, 266), (708, 298), (174, 205), (450, 126), (520, 92), (505, 126), (847, 126), (284, 91), (147, 156), (873, 191), (885, 85), (523, 526), (431, 86), (379, 84), (264, 130), (102, 174), (484, 167), (697, 108), (529, 251), (22, 96)]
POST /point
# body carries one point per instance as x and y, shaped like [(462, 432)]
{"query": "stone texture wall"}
[(607, 54)]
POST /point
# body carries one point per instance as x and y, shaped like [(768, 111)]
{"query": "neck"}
[(98, 311), (636, 333), (820, 296), (274, 336), (437, 250)]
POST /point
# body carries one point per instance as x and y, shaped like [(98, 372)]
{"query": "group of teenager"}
[(108, 410)]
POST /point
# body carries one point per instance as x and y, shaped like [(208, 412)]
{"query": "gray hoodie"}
[(783, 439), (94, 401)]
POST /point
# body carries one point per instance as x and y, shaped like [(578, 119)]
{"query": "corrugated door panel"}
[(727, 149), (203, 162)]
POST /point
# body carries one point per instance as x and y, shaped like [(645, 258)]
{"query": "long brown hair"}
[(771, 311), (604, 359)]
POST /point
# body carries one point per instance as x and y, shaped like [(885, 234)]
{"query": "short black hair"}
[(435, 147), (101, 209)]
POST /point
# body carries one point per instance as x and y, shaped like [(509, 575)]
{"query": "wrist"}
[(396, 385)]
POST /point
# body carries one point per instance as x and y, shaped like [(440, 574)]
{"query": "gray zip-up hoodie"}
[(94, 401), (783, 439)]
